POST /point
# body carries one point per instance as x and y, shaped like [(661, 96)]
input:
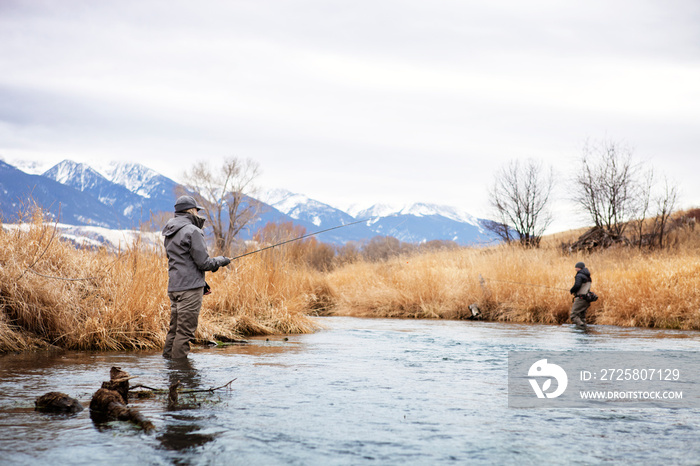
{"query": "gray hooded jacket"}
[(187, 254)]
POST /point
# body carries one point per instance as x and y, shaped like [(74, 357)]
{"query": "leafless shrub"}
[(227, 195), (618, 195), (606, 186), (520, 200)]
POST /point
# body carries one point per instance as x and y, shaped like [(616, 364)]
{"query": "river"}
[(359, 391)]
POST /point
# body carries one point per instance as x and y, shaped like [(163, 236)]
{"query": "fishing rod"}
[(296, 239), (524, 284)]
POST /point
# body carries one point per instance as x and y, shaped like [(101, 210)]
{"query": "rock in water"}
[(119, 382), (108, 405), (57, 402), (476, 312), (109, 402)]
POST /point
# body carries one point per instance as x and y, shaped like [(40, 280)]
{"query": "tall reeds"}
[(636, 288), (54, 294), (508, 284)]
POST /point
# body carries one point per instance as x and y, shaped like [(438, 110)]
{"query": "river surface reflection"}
[(360, 391)]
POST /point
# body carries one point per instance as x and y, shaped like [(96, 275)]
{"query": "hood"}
[(584, 271), (176, 223)]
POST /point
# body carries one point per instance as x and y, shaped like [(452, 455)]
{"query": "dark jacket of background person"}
[(187, 253), (582, 278)]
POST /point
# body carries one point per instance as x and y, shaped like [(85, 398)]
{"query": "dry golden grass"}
[(650, 289), (444, 284), (123, 304), (263, 294)]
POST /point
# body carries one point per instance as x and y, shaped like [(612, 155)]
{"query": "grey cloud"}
[(463, 84)]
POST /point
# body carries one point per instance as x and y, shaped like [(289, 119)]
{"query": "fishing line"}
[(29, 269), (394, 229), (524, 284), (53, 236), (297, 239), (60, 278), (38, 244)]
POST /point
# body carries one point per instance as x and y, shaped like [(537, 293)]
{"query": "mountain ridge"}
[(86, 179), (133, 193), (20, 190)]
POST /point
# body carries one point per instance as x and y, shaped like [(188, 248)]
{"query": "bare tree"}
[(606, 186), (226, 194), (499, 229), (648, 197), (666, 204), (643, 205), (520, 198), (381, 248)]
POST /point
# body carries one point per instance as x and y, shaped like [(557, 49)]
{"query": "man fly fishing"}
[(582, 285), (187, 261)]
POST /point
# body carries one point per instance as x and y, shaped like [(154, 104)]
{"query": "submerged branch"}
[(166, 390)]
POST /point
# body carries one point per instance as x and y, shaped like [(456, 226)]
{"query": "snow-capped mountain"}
[(414, 223), (19, 190), (30, 167), (420, 222), (125, 195), (84, 178), (142, 181), (317, 216), (298, 206), (376, 211), (78, 175), (419, 210)]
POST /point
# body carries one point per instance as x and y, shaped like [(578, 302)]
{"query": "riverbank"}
[(54, 294), (658, 289)]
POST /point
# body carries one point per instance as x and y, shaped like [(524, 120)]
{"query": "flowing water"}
[(360, 391)]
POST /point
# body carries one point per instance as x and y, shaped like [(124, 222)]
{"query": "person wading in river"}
[(187, 261), (582, 285)]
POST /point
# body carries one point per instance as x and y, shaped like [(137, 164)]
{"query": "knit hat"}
[(184, 203), (580, 265)]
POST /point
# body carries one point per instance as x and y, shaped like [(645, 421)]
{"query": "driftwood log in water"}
[(57, 402), (109, 402), (108, 405), (172, 394), (119, 382)]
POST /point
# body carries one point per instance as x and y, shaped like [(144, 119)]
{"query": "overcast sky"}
[(354, 102)]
